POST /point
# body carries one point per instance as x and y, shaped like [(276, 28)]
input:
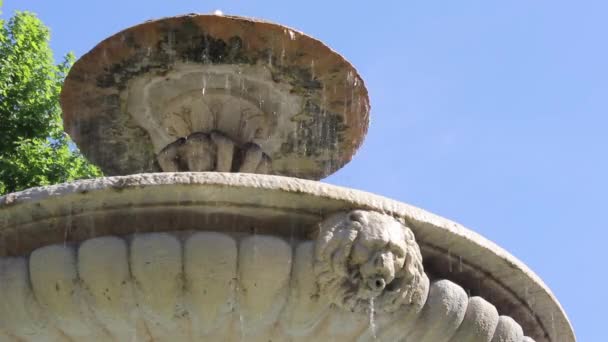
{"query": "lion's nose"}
[(382, 259), (376, 284), (383, 263)]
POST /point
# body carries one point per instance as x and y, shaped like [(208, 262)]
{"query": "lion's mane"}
[(337, 235)]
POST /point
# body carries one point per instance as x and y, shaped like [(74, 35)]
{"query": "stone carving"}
[(210, 286), (303, 103), (366, 259), (212, 152)]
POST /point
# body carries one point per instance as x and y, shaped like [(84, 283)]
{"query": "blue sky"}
[(491, 113)]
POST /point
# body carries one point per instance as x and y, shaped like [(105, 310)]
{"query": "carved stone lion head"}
[(364, 258)]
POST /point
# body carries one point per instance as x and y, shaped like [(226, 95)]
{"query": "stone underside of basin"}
[(256, 82), (181, 256)]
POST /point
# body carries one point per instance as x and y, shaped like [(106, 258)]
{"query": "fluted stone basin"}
[(228, 256)]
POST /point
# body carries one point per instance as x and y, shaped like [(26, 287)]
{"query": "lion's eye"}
[(398, 252), (356, 225), (356, 216)]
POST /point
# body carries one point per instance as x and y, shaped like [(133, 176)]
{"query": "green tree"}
[(34, 150)]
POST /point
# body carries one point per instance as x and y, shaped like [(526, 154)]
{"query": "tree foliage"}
[(34, 150)]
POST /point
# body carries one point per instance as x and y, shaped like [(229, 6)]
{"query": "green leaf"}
[(34, 150)]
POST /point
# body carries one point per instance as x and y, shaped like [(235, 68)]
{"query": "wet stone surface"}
[(144, 88)]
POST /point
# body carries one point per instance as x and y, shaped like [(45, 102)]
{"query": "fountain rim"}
[(431, 231), (73, 99)]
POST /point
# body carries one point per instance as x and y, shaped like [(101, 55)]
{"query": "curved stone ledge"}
[(244, 203), (189, 286)]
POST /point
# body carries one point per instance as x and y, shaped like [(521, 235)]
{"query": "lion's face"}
[(377, 257), (366, 256)]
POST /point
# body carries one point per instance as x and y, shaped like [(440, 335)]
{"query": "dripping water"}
[(3, 251), (449, 260), (92, 228), (204, 85), (553, 326), (227, 84), (238, 307), (4, 248), (68, 226), (372, 318), (171, 44)]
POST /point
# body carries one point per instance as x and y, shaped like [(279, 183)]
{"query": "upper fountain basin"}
[(256, 82)]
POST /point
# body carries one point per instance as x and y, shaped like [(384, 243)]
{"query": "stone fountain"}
[(212, 226)]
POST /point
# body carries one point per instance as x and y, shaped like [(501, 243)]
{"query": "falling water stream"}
[(372, 318)]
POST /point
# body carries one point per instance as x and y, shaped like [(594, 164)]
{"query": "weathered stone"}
[(103, 269), (305, 308), (264, 274), (507, 330), (21, 313), (188, 286), (442, 314), (156, 266), (204, 217), (479, 322), (368, 261), (210, 267), (212, 152), (151, 85)]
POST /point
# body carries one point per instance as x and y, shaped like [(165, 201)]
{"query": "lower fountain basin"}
[(225, 256)]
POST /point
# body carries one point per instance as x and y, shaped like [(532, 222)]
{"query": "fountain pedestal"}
[(189, 256)]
